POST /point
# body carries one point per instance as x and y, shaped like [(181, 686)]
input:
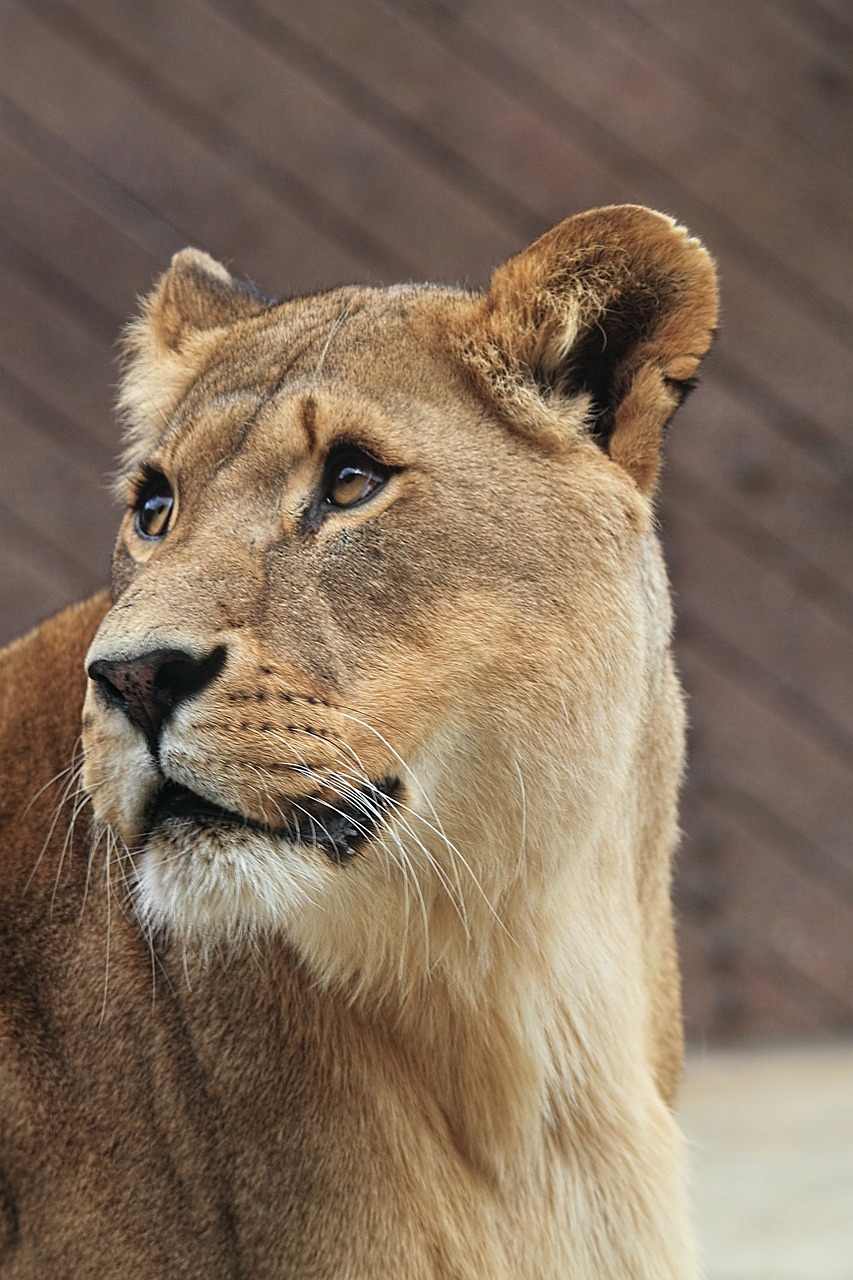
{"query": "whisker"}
[(454, 892), (523, 847), (406, 767), (336, 325), (81, 799), (68, 769), (107, 850), (74, 771), (402, 862)]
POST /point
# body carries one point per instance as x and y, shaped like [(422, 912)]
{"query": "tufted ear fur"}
[(601, 324), (193, 301)]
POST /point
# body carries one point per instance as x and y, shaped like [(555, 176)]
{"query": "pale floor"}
[(771, 1135)]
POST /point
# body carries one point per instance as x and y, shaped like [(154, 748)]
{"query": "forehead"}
[(376, 340), (365, 364)]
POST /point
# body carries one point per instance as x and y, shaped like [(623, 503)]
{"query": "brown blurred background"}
[(311, 142)]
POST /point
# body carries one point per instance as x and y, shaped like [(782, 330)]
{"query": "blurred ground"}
[(771, 1137)]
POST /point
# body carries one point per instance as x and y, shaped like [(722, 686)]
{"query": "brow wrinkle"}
[(309, 422)]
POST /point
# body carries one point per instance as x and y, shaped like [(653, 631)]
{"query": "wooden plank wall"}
[(308, 144)]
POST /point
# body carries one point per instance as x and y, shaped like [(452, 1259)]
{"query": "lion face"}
[(386, 593)]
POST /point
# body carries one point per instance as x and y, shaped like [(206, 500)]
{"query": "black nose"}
[(148, 688)]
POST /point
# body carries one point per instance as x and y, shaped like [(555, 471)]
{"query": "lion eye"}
[(352, 479), (153, 508)]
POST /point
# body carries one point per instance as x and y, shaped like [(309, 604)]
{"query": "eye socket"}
[(351, 478), (153, 507)]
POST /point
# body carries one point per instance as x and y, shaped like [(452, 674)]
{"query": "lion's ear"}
[(196, 294), (608, 315), (193, 300)]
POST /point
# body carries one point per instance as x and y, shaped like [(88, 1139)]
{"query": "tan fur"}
[(453, 1053)]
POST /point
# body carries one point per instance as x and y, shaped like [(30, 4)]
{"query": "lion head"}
[(388, 650)]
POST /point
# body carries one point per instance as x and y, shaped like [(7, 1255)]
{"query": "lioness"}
[(352, 953)]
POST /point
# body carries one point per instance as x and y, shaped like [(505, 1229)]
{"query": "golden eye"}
[(153, 507), (353, 478)]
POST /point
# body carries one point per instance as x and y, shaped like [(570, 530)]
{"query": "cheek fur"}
[(124, 568), (119, 775)]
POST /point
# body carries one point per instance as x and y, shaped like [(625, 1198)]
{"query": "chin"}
[(223, 886)]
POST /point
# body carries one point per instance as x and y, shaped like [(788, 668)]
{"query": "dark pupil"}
[(153, 516)]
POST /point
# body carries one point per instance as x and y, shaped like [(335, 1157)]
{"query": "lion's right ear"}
[(163, 348)]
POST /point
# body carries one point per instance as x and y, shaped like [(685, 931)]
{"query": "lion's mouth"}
[(339, 827)]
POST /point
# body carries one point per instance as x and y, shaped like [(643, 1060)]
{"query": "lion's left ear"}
[(191, 303), (606, 317)]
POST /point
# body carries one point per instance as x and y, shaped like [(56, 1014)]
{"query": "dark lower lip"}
[(339, 828)]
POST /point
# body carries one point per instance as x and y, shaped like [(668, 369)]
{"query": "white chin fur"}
[(218, 887)]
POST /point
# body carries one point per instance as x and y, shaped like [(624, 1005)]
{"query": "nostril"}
[(147, 688), (97, 671), (181, 677)]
